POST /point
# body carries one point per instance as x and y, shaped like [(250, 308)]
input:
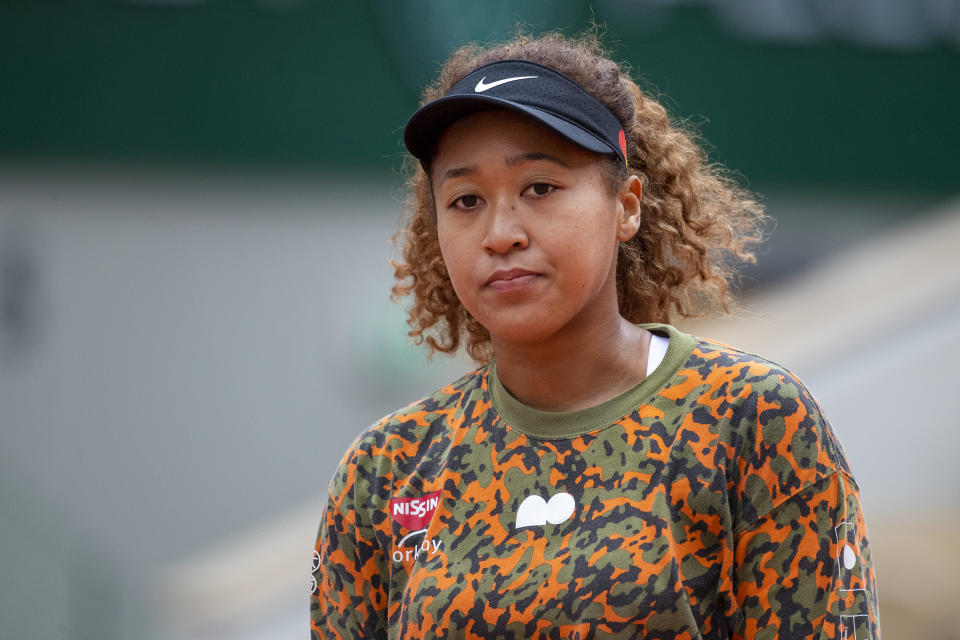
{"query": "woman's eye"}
[(540, 188), (466, 202)]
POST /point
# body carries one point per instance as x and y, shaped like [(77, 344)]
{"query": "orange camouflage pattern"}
[(721, 507)]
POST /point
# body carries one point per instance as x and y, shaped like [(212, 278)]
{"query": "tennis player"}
[(601, 474)]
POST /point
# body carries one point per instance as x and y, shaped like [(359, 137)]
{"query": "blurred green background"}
[(329, 84)]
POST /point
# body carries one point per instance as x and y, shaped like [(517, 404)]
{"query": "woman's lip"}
[(513, 283), (510, 274)]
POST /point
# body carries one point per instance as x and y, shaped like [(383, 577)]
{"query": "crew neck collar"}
[(567, 424)]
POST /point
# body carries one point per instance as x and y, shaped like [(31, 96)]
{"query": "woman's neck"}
[(574, 369)]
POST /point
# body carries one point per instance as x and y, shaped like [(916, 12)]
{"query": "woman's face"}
[(528, 226)]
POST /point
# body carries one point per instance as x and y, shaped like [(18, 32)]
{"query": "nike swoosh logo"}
[(482, 86)]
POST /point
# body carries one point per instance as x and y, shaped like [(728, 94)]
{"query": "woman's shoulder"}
[(762, 390), (399, 442), (430, 415), (731, 369), (763, 415)]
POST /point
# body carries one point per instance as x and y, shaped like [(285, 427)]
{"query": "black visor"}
[(543, 94)]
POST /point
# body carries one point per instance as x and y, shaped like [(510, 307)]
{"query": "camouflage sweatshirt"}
[(712, 500)]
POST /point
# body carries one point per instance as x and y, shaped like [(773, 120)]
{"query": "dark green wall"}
[(329, 85)]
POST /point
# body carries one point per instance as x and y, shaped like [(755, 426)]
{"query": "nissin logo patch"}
[(414, 513)]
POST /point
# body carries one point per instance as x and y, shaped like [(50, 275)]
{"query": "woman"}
[(601, 474)]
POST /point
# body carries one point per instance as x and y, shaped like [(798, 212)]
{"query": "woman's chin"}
[(521, 331)]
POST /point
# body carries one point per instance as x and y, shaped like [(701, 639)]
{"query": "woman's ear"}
[(630, 196)]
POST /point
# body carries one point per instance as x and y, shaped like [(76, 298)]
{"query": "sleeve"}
[(804, 570), (348, 598), (801, 563)]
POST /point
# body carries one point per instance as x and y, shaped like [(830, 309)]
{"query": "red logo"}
[(623, 143), (414, 513)]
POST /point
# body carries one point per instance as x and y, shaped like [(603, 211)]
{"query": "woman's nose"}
[(505, 228)]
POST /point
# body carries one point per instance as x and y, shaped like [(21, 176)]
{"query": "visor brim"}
[(424, 128)]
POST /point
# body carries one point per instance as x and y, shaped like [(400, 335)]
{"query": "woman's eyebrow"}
[(512, 161), (458, 172), (534, 155)]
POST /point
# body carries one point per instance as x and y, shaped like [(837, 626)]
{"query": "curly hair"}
[(696, 222)]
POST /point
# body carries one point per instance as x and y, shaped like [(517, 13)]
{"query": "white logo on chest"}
[(535, 511)]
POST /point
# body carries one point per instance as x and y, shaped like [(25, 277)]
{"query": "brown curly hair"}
[(696, 221)]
